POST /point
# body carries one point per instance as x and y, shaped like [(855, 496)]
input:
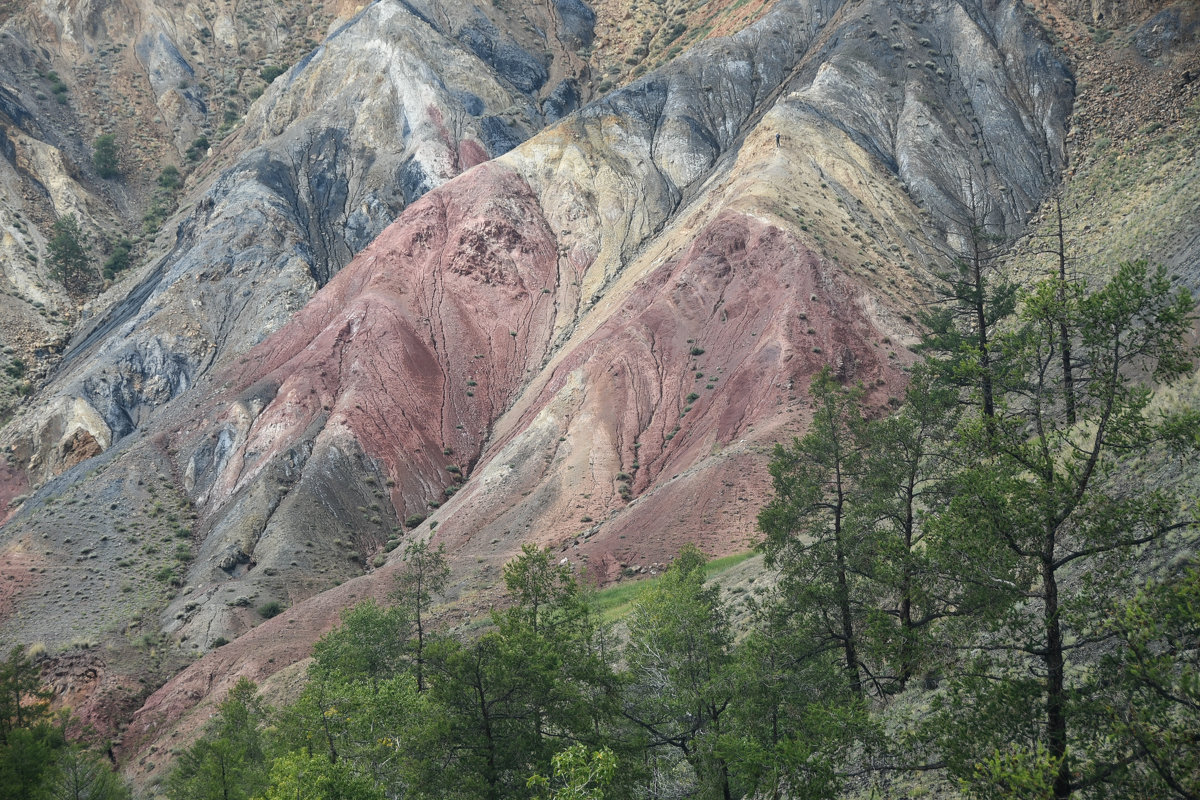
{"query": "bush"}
[(15, 368), (414, 520), (120, 259), (271, 72), (104, 156), (271, 608), (198, 148), (170, 178)]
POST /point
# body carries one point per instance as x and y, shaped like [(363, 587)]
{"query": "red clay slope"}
[(415, 347), (766, 312)]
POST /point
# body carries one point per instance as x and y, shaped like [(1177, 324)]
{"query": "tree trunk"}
[(848, 643), (980, 302), (1056, 713), (1064, 335)]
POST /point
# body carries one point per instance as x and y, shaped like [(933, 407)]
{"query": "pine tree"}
[(70, 263), (679, 657), (228, 762), (908, 458), (1039, 532), (104, 156), (807, 522), (29, 737), (425, 574), (79, 774)]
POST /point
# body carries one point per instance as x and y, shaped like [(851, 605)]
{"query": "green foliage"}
[(271, 608), (70, 262), (28, 739), (425, 574), (80, 774), (577, 774), (24, 702), (15, 368), (795, 721), (170, 178), (369, 645), (270, 72), (228, 761), (679, 692), (1038, 507), (1156, 708), (36, 758), (120, 258), (197, 149), (809, 533), (299, 776), (162, 203), (975, 299), (1012, 775), (104, 156)]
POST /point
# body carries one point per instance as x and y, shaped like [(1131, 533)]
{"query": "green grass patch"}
[(616, 602)]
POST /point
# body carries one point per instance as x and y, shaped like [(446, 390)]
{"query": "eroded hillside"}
[(585, 337)]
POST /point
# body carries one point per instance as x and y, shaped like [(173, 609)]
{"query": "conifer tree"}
[(807, 522), (679, 658), (425, 574), (1040, 530), (70, 262), (229, 760)]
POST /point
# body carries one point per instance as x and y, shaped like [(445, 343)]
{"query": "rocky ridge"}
[(326, 158)]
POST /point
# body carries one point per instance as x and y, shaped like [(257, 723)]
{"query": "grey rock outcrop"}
[(391, 105)]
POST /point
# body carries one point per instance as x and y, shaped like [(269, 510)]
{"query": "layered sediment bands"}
[(391, 105), (704, 362), (407, 357), (602, 330)]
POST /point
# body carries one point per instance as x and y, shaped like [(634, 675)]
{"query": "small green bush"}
[(271, 608), (170, 178), (198, 148), (120, 259)]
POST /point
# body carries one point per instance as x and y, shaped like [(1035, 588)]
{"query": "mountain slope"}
[(602, 330), (395, 101)]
